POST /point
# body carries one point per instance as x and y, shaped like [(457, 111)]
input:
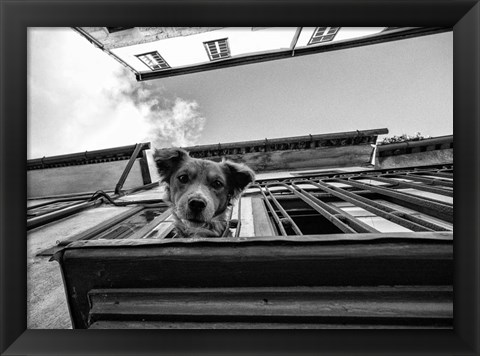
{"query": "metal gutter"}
[(287, 140)]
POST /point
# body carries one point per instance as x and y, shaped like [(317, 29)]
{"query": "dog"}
[(200, 191)]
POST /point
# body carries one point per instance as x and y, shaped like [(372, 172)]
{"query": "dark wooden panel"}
[(410, 305), (257, 263)]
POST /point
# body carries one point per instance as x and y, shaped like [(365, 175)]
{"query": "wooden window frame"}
[(161, 62), (324, 37), (221, 55)]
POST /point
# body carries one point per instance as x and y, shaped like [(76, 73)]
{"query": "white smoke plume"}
[(176, 123), (173, 122)]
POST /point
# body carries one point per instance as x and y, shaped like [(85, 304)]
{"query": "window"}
[(153, 60), (323, 34), (217, 49), (363, 202), (147, 223), (115, 223)]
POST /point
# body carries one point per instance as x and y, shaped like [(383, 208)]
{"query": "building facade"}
[(322, 239)]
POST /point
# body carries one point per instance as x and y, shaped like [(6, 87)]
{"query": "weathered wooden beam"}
[(405, 305), (134, 324)]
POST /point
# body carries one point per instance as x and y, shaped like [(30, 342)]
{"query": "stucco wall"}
[(319, 158), (80, 179)]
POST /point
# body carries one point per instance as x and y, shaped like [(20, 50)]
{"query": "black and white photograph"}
[(240, 178)]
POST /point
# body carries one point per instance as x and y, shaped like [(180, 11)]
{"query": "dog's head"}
[(200, 189)]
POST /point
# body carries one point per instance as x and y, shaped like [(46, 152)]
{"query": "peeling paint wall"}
[(415, 159)]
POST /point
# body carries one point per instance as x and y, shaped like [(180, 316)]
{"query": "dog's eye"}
[(217, 184), (183, 178)]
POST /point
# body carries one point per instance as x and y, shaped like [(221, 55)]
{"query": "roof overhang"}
[(293, 50)]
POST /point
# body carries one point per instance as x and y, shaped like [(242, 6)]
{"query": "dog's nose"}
[(196, 204)]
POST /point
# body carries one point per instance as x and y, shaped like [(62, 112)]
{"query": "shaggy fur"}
[(200, 191)]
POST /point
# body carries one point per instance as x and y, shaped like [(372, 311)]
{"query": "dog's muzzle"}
[(197, 209), (196, 205)]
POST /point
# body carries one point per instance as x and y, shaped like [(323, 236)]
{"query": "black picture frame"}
[(462, 15)]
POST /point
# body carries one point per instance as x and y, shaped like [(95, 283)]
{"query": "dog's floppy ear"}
[(168, 160), (239, 176)]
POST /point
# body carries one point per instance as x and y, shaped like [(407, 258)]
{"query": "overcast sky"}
[(81, 99)]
